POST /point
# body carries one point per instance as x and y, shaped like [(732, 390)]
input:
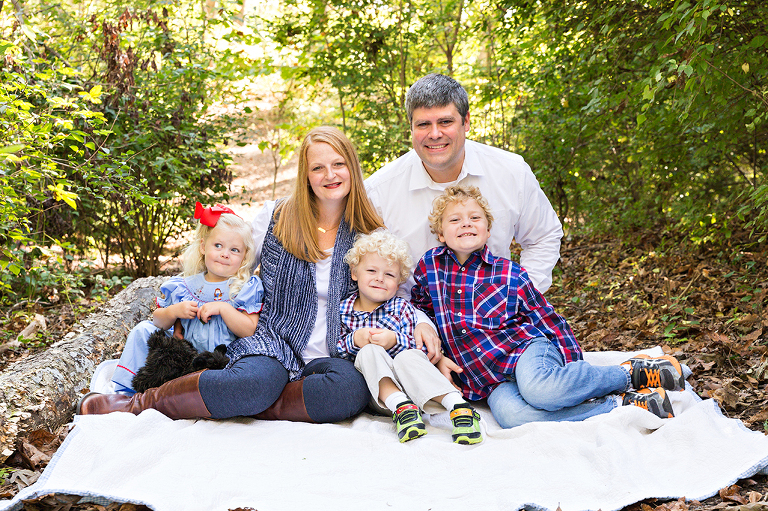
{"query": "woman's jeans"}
[(545, 388), (333, 389)]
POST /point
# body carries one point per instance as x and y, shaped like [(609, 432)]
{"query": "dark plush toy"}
[(171, 357)]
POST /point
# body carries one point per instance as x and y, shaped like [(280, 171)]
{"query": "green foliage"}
[(649, 114), (158, 97), (641, 113), (45, 120), (106, 137), (361, 52)]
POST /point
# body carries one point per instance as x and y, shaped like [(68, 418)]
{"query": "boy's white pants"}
[(410, 370)]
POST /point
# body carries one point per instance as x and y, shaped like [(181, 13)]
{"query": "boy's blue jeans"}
[(545, 388)]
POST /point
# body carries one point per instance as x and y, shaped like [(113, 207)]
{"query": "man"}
[(402, 191)]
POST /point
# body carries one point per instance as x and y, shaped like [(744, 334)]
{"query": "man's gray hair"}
[(435, 90)]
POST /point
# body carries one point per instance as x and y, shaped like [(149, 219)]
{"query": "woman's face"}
[(328, 174)]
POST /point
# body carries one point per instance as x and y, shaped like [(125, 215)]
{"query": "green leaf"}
[(28, 32), (12, 148), (6, 47), (758, 41)]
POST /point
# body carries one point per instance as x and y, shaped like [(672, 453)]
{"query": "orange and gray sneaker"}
[(647, 372), (655, 401), (408, 420)]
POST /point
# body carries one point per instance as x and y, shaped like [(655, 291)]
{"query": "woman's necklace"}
[(327, 230)]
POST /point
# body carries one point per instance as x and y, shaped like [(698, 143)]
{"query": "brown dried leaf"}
[(736, 498), (35, 456), (677, 505), (729, 490)]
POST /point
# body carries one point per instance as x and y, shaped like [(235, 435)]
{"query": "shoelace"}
[(642, 403), (653, 376)]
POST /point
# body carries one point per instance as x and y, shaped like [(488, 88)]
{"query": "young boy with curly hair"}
[(512, 346), (377, 333)]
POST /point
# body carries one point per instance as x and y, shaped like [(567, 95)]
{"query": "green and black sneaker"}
[(408, 420), (466, 425)]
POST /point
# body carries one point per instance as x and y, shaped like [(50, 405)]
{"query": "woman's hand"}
[(425, 335), (447, 366)]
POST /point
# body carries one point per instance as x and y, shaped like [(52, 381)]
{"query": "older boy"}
[(377, 333), (512, 346)]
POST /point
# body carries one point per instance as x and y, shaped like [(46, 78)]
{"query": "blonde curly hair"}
[(456, 193), (385, 244), (194, 261)]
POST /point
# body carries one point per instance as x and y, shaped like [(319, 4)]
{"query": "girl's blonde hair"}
[(456, 193), (296, 217), (382, 242), (194, 261)]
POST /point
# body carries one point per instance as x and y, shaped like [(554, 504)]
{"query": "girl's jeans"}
[(545, 388)]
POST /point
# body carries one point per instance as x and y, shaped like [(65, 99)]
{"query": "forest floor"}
[(704, 305)]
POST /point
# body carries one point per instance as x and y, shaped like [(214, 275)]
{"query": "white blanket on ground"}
[(606, 462)]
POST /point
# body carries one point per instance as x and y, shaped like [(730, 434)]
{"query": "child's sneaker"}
[(648, 373), (408, 420), (655, 401), (466, 425)]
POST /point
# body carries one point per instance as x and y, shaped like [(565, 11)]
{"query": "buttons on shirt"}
[(463, 330), (458, 292), (463, 269)]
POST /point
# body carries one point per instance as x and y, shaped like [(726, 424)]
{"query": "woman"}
[(289, 369)]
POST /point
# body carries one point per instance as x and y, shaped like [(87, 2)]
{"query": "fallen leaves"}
[(59, 502), (706, 308), (31, 456)]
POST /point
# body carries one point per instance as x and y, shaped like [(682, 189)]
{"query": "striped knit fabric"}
[(290, 303)]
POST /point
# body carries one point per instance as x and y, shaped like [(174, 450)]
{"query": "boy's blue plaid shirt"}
[(395, 314), (486, 312)]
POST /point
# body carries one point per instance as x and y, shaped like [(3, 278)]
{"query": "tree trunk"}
[(41, 391)]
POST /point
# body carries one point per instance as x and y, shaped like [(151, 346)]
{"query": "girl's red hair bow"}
[(210, 215)]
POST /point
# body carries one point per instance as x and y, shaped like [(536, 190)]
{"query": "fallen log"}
[(41, 390)]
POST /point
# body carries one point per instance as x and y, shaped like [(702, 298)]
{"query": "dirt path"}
[(254, 174)]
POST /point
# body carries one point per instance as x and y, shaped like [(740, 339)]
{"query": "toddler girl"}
[(216, 300)]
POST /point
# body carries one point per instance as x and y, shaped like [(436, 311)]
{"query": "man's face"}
[(438, 135)]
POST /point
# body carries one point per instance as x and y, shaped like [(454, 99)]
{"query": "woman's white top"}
[(317, 346)]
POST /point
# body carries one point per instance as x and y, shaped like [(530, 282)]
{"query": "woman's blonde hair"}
[(194, 261), (382, 242), (456, 193), (296, 217)]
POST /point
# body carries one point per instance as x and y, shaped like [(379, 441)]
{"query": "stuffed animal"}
[(171, 357)]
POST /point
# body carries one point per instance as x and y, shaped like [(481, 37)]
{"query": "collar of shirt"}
[(420, 178), (348, 306), (485, 255)]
